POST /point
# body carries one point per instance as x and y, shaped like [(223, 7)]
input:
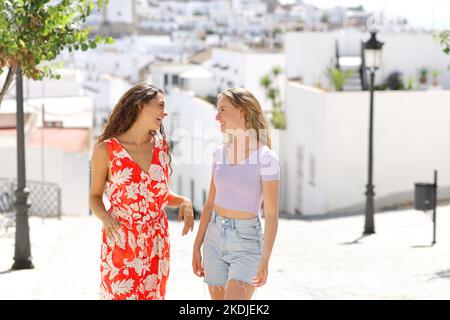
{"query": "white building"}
[(242, 68), (69, 85), (94, 64), (105, 93), (58, 153), (326, 147), (198, 80), (192, 126), (168, 75), (327, 132), (308, 54)]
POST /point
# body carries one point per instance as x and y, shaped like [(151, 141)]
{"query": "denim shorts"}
[(232, 249)]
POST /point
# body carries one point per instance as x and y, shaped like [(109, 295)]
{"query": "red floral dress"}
[(136, 265)]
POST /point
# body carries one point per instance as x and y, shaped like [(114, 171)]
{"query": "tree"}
[(325, 18), (269, 83), (444, 38), (32, 33)]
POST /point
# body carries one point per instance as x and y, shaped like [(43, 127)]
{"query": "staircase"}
[(353, 64), (358, 80)]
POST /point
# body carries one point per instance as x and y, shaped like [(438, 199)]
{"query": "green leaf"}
[(265, 81), (39, 30), (109, 40)]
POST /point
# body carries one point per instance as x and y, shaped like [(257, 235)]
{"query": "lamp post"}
[(22, 250), (372, 58)]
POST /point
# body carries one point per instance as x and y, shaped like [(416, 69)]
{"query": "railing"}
[(45, 201), (362, 70)]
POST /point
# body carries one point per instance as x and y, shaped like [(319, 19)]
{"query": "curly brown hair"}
[(127, 110)]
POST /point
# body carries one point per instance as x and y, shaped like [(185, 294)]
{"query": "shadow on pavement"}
[(443, 274), (356, 241), (6, 271), (422, 246)]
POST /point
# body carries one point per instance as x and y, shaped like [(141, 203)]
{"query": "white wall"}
[(308, 54), (245, 69), (198, 135), (201, 86), (411, 139), (120, 11), (69, 170), (125, 65), (68, 85), (305, 130), (407, 53), (159, 70), (74, 112)]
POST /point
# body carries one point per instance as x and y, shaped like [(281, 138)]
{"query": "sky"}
[(428, 14)]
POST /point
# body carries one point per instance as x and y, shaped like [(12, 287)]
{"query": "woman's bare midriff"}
[(233, 214)]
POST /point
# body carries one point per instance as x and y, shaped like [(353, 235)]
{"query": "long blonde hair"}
[(254, 117)]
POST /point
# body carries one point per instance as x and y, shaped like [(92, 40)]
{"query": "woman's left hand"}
[(261, 276), (186, 212)]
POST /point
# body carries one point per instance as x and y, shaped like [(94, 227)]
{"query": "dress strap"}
[(110, 147)]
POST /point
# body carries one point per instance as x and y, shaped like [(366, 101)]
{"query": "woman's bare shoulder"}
[(100, 150)]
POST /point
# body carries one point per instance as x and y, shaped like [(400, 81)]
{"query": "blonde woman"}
[(245, 178)]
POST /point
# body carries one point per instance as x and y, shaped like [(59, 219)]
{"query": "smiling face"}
[(228, 116), (154, 112)]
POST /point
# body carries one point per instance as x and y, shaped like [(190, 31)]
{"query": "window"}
[(192, 191), (204, 196), (312, 170), (180, 185), (175, 79), (299, 180)]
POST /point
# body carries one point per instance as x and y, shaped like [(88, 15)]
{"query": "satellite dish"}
[(375, 22)]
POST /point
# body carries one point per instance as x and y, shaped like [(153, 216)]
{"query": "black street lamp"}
[(22, 251), (372, 59)]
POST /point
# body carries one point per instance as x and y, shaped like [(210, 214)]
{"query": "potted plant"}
[(435, 74), (410, 83), (423, 76), (338, 77), (394, 81)]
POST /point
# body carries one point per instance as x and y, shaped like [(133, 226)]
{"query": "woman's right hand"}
[(197, 263), (112, 227)]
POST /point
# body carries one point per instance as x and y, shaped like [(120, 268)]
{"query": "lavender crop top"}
[(239, 187)]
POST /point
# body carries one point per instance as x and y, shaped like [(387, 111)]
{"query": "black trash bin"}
[(424, 196)]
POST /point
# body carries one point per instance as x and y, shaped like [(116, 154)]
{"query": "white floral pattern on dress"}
[(156, 172), (135, 265)]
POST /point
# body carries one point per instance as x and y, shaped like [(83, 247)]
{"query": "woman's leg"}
[(238, 290), (217, 292)]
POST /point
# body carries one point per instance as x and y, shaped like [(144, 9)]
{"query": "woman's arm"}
[(185, 210), (204, 220), (271, 210), (99, 163)]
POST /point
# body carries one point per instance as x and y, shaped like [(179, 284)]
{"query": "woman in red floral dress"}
[(132, 159)]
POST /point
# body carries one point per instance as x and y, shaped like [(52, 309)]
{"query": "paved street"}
[(321, 259)]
